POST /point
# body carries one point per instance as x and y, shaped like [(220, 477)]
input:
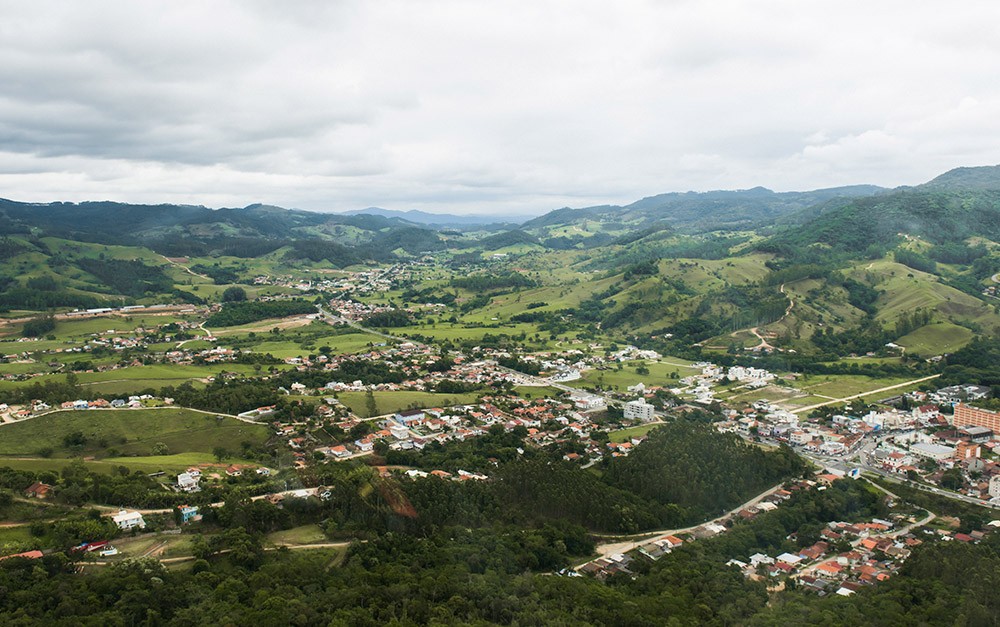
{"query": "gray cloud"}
[(482, 106)]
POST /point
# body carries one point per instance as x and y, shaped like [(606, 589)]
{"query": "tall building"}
[(995, 486), (639, 409), (966, 415)]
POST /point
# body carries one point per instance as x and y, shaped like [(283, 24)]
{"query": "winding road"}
[(611, 548)]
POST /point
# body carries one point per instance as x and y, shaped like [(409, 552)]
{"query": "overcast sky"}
[(487, 107)]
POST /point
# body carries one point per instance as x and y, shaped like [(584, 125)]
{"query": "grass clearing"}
[(306, 534), (664, 373), (936, 339), (624, 435), (105, 432)]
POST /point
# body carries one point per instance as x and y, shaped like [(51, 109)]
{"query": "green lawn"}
[(128, 432)]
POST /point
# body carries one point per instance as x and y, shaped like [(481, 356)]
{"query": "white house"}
[(128, 520), (187, 482)]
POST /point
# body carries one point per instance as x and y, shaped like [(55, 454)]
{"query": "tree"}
[(234, 294), (38, 326), (370, 405), (221, 453)]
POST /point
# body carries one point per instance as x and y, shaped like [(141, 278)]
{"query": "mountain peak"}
[(967, 178)]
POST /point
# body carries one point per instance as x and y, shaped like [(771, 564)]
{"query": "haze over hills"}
[(438, 219)]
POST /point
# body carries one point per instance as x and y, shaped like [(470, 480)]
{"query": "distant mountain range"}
[(437, 219), (967, 196)]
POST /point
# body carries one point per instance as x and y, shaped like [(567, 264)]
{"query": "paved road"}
[(843, 464), (611, 548)]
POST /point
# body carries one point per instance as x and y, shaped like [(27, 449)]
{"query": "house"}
[(400, 432), (31, 555), (38, 490), (234, 471), (409, 417), (340, 451), (128, 520), (187, 483), (788, 558), (188, 513)]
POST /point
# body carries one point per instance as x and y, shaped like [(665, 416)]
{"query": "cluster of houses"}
[(37, 408), (117, 341), (848, 556), (544, 421), (363, 282), (701, 386)]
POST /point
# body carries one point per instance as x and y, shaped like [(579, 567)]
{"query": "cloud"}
[(478, 106)]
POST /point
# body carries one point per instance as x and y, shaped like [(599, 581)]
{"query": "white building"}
[(639, 410), (933, 451), (187, 482), (128, 520), (588, 401), (995, 486)]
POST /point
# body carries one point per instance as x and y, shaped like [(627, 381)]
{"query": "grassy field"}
[(127, 432), (172, 463), (906, 290), (282, 347), (936, 339), (660, 373), (624, 435), (153, 546), (148, 464), (839, 386), (17, 539), (533, 391), (138, 377), (391, 402), (306, 534), (770, 393)]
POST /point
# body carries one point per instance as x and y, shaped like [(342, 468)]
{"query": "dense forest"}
[(694, 468), (498, 574), (244, 312)]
